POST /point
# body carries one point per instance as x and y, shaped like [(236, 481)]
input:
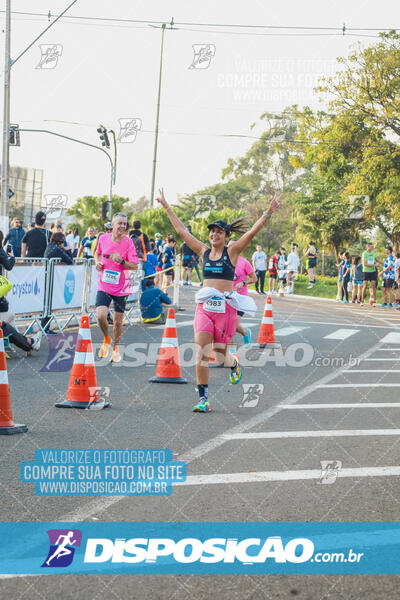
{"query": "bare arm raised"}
[(193, 243), (241, 244)]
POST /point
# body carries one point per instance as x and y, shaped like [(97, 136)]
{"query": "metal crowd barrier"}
[(29, 295), (50, 291)]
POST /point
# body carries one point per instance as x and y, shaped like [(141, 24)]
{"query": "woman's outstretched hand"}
[(161, 199), (274, 205)]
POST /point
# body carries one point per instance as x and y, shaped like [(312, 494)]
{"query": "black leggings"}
[(196, 268), (260, 280), (16, 337), (345, 291)]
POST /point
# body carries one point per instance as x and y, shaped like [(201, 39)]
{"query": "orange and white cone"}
[(7, 425), (83, 373), (266, 335), (281, 290), (168, 368)]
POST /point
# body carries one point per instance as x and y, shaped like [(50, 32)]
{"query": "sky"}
[(106, 72)]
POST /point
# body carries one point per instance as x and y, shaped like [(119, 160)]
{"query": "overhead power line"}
[(341, 30)]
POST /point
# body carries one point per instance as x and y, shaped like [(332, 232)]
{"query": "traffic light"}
[(103, 136), (104, 211), (14, 135)]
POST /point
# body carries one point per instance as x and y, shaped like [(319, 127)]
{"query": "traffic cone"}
[(266, 335), (7, 425), (83, 373), (168, 365), (281, 290)]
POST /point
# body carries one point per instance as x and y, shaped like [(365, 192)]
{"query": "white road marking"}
[(179, 324), (392, 338), (358, 385), (276, 435), (369, 326), (222, 478), (342, 405), (102, 504), (288, 330), (372, 371), (341, 334), (381, 359), (388, 349)]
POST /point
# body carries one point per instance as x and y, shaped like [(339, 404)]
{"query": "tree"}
[(87, 211), (365, 94), (140, 205)]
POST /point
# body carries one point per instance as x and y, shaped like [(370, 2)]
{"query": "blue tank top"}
[(222, 268)]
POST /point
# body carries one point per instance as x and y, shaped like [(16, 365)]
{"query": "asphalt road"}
[(256, 457)]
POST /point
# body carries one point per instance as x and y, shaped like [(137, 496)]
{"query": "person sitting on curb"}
[(24, 343), (151, 303)]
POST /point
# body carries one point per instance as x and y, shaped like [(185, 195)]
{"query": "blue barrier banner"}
[(194, 548), (103, 472)]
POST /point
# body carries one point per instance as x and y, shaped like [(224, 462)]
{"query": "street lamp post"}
[(67, 137), (8, 63)]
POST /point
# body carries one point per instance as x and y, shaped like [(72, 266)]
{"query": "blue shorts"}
[(357, 281), (104, 299)]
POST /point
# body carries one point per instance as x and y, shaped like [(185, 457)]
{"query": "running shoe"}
[(389, 305), (36, 341), (236, 372), (115, 355), (247, 338), (202, 405), (105, 347)]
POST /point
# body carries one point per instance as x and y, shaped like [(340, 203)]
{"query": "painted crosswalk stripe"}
[(341, 334), (381, 359), (358, 385), (391, 338), (387, 349), (229, 478), (283, 331), (274, 435), (371, 371), (341, 405), (179, 324)]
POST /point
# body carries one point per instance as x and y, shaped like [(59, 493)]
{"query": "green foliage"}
[(87, 211)]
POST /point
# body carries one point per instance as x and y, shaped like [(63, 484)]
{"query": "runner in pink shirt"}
[(244, 274), (115, 256)]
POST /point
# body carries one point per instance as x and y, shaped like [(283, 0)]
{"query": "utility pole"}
[(153, 177), (6, 124), (8, 63)]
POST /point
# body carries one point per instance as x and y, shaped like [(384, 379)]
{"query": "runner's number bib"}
[(371, 261), (111, 276), (215, 305)]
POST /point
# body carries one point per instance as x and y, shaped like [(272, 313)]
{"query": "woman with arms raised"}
[(217, 304)]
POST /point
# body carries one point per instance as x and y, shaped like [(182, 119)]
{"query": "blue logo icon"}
[(69, 286), (61, 551)]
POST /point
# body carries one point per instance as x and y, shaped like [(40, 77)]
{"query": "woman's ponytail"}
[(239, 226)]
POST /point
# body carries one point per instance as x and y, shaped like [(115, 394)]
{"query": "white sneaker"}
[(36, 341), (309, 287)]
